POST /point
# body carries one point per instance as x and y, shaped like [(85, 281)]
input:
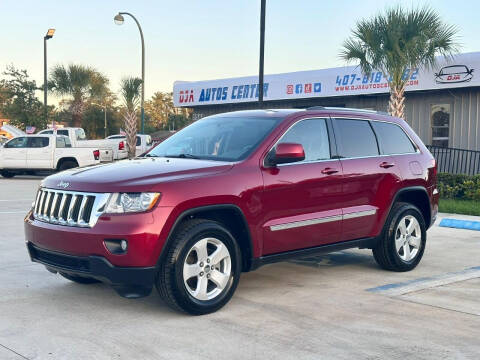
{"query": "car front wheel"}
[(201, 269)]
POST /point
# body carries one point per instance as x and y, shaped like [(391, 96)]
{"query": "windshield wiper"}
[(183, 156), (151, 155)]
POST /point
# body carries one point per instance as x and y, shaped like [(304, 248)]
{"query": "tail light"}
[(121, 145), (434, 166), (96, 154)]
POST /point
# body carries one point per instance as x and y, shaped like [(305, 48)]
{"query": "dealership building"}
[(442, 104)]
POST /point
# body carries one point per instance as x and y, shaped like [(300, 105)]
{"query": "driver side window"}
[(312, 134), (20, 142)]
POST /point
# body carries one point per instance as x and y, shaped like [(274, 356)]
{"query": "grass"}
[(466, 207)]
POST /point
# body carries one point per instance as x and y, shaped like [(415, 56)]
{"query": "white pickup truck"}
[(110, 149), (144, 142), (38, 153)]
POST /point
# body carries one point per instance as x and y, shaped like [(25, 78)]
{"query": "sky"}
[(194, 39)]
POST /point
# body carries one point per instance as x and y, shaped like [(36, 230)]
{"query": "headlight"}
[(120, 203)]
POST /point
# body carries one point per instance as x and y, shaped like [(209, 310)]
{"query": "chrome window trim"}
[(322, 220)]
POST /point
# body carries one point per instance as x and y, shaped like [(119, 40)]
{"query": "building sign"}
[(342, 81)]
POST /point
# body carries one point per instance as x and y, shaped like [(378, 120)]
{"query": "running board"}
[(324, 249)]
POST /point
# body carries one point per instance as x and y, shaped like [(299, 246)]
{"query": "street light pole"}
[(119, 21), (49, 35), (262, 50)]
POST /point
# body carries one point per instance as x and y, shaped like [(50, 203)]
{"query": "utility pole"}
[(262, 51)]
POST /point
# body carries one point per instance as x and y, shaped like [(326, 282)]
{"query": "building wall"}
[(464, 131)]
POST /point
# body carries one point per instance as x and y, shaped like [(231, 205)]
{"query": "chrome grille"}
[(70, 208)]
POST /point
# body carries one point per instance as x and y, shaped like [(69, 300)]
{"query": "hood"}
[(12, 130), (140, 174)]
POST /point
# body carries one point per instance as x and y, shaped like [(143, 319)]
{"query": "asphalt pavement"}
[(337, 306)]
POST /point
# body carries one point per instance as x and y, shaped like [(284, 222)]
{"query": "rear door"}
[(369, 177), (39, 152), (14, 153), (300, 200)]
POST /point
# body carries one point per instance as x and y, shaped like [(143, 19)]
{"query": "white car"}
[(110, 149), (33, 153), (144, 142)]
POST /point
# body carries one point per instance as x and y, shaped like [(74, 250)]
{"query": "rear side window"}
[(313, 136), (355, 138), (60, 142), (37, 142), (139, 141), (392, 138), (62, 132)]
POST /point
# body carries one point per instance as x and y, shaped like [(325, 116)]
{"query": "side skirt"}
[(324, 249)]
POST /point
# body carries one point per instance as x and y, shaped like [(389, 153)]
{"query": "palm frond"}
[(130, 90)]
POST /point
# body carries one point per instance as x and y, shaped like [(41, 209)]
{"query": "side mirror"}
[(288, 153)]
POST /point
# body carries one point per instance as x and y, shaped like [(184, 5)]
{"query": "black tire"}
[(80, 279), (169, 281), (7, 174), (67, 165), (385, 252)]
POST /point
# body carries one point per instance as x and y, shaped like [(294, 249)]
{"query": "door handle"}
[(386, 165), (329, 171)]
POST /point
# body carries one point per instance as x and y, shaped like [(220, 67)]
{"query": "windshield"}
[(217, 138)]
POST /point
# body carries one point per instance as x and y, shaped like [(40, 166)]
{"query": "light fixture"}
[(50, 33), (118, 19)]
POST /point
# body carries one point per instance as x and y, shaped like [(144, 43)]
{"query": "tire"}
[(185, 293), (80, 279), (389, 253), (7, 174), (67, 165)]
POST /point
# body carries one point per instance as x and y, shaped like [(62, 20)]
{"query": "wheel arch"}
[(63, 159), (418, 196), (231, 216)]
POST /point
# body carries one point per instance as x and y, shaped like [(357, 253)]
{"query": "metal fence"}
[(456, 161)]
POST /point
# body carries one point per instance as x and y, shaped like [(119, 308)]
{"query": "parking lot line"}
[(403, 288)]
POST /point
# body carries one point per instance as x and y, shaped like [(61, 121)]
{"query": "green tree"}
[(396, 43), (81, 84), (159, 108), (130, 90), (18, 101)]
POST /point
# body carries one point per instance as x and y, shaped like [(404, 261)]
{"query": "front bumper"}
[(127, 281)]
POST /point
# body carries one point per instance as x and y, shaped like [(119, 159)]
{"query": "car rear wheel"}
[(7, 174), (201, 269), (79, 279), (402, 244)]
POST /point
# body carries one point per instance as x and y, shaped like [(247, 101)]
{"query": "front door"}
[(300, 199), (14, 153)]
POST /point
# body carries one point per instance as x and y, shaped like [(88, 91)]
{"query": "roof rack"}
[(346, 109)]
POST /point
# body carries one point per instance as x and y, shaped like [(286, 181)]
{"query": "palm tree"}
[(130, 89), (398, 42), (80, 82)]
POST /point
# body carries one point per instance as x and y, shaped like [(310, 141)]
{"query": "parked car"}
[(110, 149), (144, 142), (32, 153), (235, 191)]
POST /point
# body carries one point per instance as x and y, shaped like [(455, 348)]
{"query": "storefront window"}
[(440, 115)]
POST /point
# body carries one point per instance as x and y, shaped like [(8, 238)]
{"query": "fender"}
[(247, 262), (408, 189)]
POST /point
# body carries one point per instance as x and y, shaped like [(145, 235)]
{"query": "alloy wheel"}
[(207, 269), (408, 238)]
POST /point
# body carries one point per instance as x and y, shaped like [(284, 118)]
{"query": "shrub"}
[(464, 187)]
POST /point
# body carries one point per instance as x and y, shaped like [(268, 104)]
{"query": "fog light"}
[(116, 246)]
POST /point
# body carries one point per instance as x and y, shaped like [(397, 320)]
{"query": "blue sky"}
[(193, 39)]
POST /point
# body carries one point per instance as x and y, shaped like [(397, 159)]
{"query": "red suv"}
[(235, 191)]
